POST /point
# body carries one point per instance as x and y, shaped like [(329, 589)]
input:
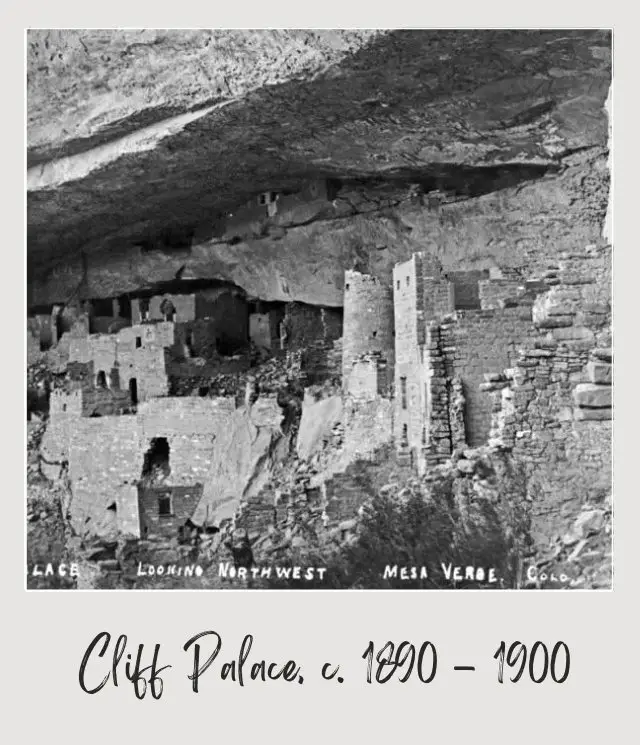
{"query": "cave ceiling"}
[(133, 133)]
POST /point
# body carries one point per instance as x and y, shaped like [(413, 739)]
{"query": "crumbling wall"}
[(191, 425), (466, 290), (228, 311), (306, 324), (185, 306), (368, 407), (104, 458), (368, 424), (498, 293), (441, 435), (311, 332), (553, 409), (478, 343)]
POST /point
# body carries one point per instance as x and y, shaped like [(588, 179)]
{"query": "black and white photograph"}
[(319, 309)]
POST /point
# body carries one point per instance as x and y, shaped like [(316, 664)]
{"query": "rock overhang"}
[(126, 142)]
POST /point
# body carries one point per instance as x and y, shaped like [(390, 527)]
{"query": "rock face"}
[(133, 134)]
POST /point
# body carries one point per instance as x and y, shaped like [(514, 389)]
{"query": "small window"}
[(138, 342), (375, 333), (398, 285), (64, 407), (408, 281), (101, 380), (164, 506), (346, 286)]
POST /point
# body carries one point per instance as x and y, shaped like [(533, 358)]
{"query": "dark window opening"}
[(164, 506), (203, 391), (375, 333), (346, 286), (168, 310), (133, 390), (403, 392), (102, 307), (113, 507), (156, 465), (101, 379), (398, 285), (405, 436), (408, 281), (189, 344), (138, 342), (125, 306), (59, 325), (144, 308)]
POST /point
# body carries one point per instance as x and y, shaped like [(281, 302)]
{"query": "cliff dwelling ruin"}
[(390, 265)]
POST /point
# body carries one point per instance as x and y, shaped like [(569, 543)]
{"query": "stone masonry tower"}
[(368, 322), (421, 295)]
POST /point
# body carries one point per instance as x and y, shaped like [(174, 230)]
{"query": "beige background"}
[(45, 634)]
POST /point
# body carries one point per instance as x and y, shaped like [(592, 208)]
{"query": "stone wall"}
[(368, 406), (228, 313), (553, 407), (190, 426), (312, 333), (136, 352), (104, 457), (368, 324), (183, 502), (106, 454), (498, 293), (410, 373), (306, 324), (263, 329), (479, 343), (466, 290), (421, 294), (369, 377), (368, 424)]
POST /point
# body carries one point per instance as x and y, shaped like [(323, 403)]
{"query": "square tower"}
[(421, 295)]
